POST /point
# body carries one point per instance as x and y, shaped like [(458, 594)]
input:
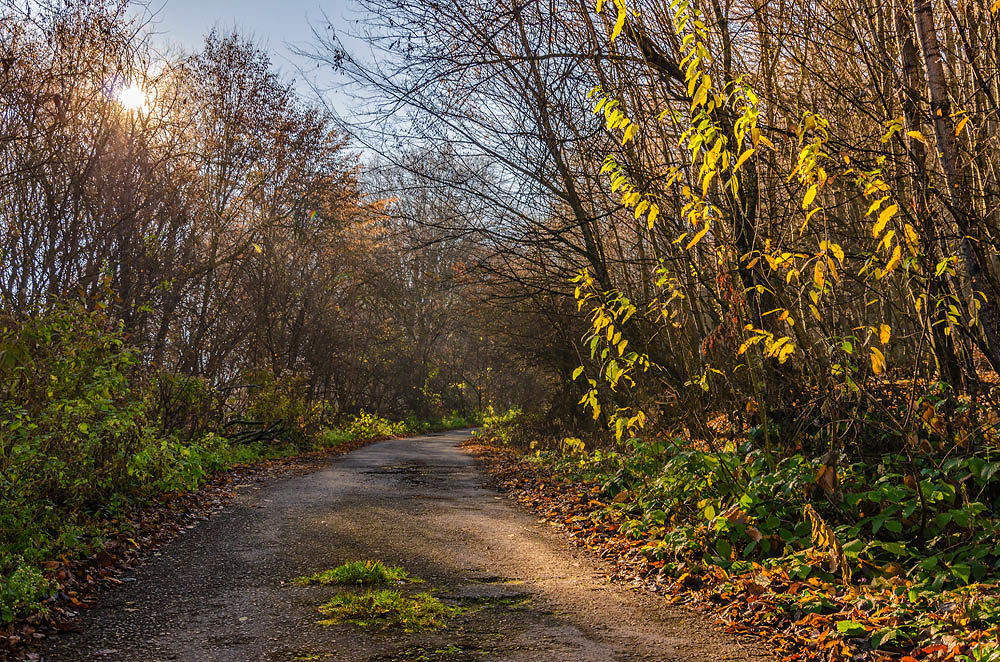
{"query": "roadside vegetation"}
[(887, 569)]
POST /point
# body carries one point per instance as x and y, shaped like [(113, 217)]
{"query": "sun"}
[(133, 97)]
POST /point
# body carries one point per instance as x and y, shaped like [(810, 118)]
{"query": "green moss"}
[(388, 608), (358, 572)]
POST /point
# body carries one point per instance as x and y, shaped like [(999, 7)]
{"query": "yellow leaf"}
[(911, 238), (785, 351), (743, 157), (916, 135), (654, 211), (883, 218), (640, 208), (893, 261), (746, 345), (838, 252), (257, 248), (875, 206), (781, 348), (697, 237), (995, 6), (878, 361), (620, 21), (818, 277), (809, 197), (707, 182), (961, 122), (693, 77), (629, 133), (762, 138), (600, 5), (702, 93), (809, 215), (886, 242), (884, 333)]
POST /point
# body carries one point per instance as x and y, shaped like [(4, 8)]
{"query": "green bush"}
[(741, 504), (69, 420), (332, 437), (503, 427), (370, 426), (22, 590), (80, 442), (284, 399)]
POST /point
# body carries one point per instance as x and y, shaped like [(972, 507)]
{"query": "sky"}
[(277, 25)]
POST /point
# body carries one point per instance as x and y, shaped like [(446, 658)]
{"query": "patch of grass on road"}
[(386, 607), (358, 572)]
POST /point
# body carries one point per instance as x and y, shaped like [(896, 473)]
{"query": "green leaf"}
[(894, 525), (851, 628), (724, 549), (897, 548), (962, 571)]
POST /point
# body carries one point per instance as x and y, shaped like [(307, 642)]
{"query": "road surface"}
[(221, 592)]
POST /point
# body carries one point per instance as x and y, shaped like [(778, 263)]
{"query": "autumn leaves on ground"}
[(720, 282)]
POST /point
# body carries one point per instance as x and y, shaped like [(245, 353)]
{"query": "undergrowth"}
[(915, 533)]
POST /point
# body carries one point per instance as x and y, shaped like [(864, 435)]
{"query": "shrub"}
[(284, 399), (69, 420), (22, 589), (331, 437), (370, 426)]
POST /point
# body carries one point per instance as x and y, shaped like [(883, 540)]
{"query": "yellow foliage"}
[(883, 218), (878, 360)]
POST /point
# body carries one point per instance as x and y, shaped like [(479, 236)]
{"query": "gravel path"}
[(221, 591)]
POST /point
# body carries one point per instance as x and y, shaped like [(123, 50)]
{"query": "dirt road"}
[(221, 592)]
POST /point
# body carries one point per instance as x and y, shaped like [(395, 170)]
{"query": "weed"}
[(387, 607), (358, 572)]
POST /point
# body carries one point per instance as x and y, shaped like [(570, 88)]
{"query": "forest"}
[(729, 267)]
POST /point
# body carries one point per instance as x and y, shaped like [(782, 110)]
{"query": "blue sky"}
[(274, 24)]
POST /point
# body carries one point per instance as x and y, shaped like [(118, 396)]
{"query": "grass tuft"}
[(358, 572), (387, 607)]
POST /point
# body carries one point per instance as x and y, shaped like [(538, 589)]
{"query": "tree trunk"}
[(958, 191)]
